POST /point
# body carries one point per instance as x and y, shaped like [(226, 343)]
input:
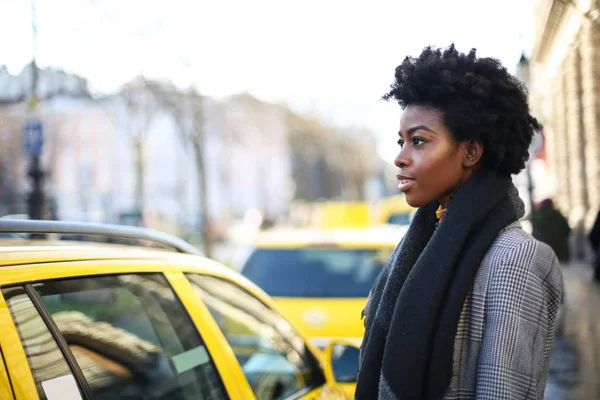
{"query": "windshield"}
[(316, 272), (399, 219)]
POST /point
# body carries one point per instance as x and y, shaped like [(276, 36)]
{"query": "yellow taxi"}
[(393, 210), (321, 278), (85, 320)]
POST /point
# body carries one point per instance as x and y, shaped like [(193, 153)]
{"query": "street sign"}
[(33, 137)]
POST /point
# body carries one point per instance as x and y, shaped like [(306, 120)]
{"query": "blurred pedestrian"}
[(551, 227), (594, 238), (466, 307)]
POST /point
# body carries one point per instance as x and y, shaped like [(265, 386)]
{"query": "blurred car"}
[(321, 278), (393, 210), (85, 320)]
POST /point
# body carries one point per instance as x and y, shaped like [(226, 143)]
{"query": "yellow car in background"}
[(85, 320), (393, 210), (321, 278)]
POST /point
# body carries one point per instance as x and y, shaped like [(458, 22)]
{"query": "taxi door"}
[(80, 330)]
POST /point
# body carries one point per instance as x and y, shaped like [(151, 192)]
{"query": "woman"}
[(466, 307)]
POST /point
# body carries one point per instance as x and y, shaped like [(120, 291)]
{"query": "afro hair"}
[(478, 98)]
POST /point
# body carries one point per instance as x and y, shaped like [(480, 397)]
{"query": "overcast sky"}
[(327, 57)]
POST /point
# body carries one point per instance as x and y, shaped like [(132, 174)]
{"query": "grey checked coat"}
[(506, 329)]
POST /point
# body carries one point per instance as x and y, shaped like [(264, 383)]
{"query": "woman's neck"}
[(446, 199)]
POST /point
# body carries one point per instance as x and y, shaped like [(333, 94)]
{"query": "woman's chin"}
[(415, 201)]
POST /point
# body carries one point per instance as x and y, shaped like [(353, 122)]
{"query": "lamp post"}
[(33, 143), (523, 73), (32, 134)]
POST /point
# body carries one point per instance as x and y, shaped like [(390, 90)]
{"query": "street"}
[(575, 360)]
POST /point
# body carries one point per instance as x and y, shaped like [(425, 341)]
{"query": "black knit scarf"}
[(414, 308)]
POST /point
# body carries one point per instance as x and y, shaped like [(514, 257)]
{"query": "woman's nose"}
[(402, 159)]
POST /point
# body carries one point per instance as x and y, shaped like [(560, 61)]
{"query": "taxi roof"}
[(18, 253), (375, 236), (17, 248), (24, 251)]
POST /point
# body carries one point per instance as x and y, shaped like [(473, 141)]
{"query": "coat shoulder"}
[(516, 248)]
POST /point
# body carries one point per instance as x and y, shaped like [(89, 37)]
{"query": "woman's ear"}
[(473, 154)]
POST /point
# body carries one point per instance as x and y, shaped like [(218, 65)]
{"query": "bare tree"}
[(11, 192), (344, 159), (359, 146), (140, 106), (187, 108), (11, 201)]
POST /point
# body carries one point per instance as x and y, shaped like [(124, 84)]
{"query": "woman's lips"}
[(405, 182)]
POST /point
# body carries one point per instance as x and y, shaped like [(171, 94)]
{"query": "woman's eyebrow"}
[(412, 130)]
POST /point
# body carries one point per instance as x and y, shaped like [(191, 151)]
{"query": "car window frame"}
[(68, 356), (60, 341), (229, 367), (24, 387), (315, 359), (15, 359), (146, 307), (7, 390)]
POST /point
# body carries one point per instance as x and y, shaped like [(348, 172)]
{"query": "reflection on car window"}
[(273, 357), (43, 354), (132, 338)]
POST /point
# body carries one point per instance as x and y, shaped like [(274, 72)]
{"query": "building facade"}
[(253, 155), (565, 96)]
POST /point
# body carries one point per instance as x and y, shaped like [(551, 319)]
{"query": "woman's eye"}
[(400, 143), (417, 141)]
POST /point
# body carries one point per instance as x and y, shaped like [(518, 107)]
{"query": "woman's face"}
[(432, 164)]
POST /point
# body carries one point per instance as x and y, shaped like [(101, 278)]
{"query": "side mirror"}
[(341, 362)]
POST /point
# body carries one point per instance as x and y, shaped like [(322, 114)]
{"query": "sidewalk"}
[(575, 361)]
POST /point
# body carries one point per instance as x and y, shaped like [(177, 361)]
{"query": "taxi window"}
[(399, 219), (46, 361), (316, 272), (272, 355), (131, 338)]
